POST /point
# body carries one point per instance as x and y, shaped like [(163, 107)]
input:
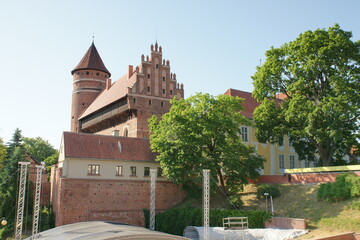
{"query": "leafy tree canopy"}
[(309, 89), (39, 148), (202, 132)]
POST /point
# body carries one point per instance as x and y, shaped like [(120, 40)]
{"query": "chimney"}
[(130, 71)]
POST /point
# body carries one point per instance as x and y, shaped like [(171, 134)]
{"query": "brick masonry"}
[(110, 200), (304, 178), (286, 223)]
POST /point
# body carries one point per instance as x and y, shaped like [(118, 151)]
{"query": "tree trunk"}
[(222, 183)]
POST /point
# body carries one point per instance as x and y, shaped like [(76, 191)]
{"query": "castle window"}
[(149, 102), (281, 161), (118, 171), (132, 171), (292, 161), (126, 132), (244, 134), (157, 66), (97, 74), (171, 92), (148, 75), (163, 91), (87, 73), (162, 104), (134, 100), (93, 169), (148, 89), (159, 172), (146, 171), (163, 79)]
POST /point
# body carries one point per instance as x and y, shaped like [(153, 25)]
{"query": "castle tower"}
[(89, 79)]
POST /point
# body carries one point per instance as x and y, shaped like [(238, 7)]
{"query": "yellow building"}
[(278, 158)]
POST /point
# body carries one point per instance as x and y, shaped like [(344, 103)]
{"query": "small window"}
[(163, 79), (97, 74), (149, 102), (171, 92), (87, 73), (134, 100), (148, 75), (292, 161), (163, 91), (157, 66), (93, 169), (148, 88), (146, 171), (159, 172), (119, 171), (244, 134), (132, 171), (281, 161), (162, 104)]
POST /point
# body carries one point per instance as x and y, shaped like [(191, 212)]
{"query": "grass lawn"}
[(299, 201)]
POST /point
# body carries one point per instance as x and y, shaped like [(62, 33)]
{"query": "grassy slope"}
[(299, 201)]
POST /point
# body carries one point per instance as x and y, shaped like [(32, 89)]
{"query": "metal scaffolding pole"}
[(153, 174), (206, 202), (35, 226), (21, 200)]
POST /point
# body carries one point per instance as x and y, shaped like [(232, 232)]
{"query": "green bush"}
[(175, 220), (355, 205), (266, 188), (236, 201), (347, 185)]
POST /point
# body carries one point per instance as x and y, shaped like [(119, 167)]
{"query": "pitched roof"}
[(81, 145), (249, 104), (91, 61), (118, 90)]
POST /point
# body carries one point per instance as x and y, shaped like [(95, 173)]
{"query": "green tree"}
[(309, 89), (202, 132), (39, 148), (8, 180), (2, 153)]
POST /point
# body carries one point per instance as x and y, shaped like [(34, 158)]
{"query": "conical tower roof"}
[(91, 61)]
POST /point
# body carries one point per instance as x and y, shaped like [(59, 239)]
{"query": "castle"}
[(104, 162)]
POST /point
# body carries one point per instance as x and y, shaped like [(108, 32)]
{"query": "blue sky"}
[(211, 45)]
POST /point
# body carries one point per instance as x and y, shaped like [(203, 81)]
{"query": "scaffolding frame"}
[(206, 202), (21, 200), (37, 201), (153, 174)]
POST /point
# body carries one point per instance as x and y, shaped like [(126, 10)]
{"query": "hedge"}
[(175, 220)]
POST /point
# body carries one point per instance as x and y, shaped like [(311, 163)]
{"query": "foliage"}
[(39, 148), (236, 202), (202, 132), (164, 222), (355, 205), (266, 188), (47, 218), (346, 186), (2, 153), (309, 90), (50, 161)]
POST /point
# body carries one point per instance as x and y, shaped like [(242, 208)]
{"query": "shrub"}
[(175, 220), (355, 205), (265, 188), (346, 186), (236, 201)]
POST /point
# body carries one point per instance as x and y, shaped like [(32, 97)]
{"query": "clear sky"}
[(212, 46)]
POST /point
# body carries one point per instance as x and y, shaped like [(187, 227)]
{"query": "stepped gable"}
[(111, 94), (91, 146), (91, 61), (249, 103)]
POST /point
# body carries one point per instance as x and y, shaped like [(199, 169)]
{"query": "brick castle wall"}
[(303, 178), (77, 200)]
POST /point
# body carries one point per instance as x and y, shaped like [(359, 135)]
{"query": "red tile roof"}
[(118, 90), (91, 61), (81, 145), (249, 104)]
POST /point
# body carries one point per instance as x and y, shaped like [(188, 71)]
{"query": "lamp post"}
[(266, 196)]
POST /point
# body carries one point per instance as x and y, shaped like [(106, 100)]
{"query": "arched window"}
[(126, 132)]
